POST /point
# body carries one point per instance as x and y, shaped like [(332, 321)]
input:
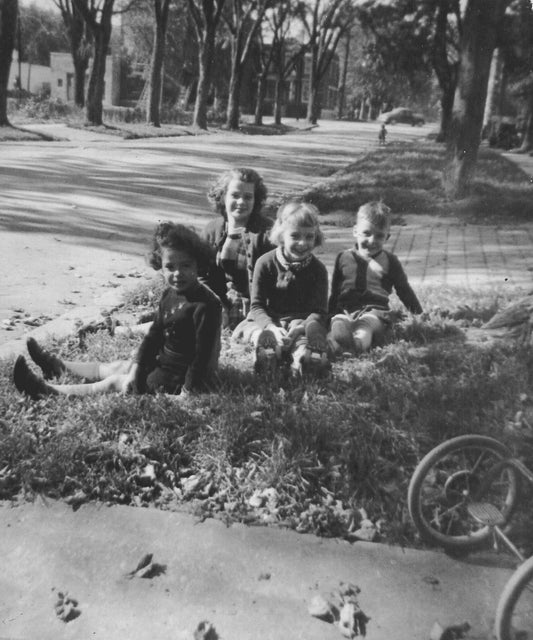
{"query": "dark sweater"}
[(358, 283), (257, 243), (305, 295), (185, 333)]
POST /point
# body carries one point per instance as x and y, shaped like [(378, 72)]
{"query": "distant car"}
[(402, 115)]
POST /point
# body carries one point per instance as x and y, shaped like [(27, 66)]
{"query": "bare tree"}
[(243, 21), (287, 52), (97, 16), (325, 23), (206, 18), (264, 57), (445, 58), (481, 23), (8, 29), (156, 67), (80, 39)]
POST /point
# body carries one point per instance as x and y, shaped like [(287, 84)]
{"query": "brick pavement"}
[(444, 253)]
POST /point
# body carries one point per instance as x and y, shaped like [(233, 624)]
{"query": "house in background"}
[(62, 78), (34, 78)]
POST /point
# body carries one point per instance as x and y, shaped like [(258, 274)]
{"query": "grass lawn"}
[(315, 456), (17, 133)]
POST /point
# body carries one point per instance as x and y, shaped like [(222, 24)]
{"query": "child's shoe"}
[(29, 383), (50, 364), (316, 363), (299, 356), (267, 353)]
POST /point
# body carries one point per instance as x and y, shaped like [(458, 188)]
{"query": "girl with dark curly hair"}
[(180, 352)]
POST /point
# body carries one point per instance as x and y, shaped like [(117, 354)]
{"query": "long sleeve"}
[(335, 288), (403, 288), (149, 348), (207, 321), (263, 284)]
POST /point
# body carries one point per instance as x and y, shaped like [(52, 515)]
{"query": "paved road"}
[(75, 216)]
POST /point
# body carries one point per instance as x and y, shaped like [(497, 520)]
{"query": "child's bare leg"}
[(53, 366), (114, 382), (364, 330), (97, 370), (34, 386), (341, 336), (316, 334), (133, 330)]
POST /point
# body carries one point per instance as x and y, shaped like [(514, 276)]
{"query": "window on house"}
[(60, 82)]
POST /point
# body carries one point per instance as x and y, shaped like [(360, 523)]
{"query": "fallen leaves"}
[(66, 607), (341, 607), (146, 568)]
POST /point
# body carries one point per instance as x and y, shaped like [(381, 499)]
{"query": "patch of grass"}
[(407, 176), (135, 131), (310, 456), (19, 134)]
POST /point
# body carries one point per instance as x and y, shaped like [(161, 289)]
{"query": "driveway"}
[(76, 215)]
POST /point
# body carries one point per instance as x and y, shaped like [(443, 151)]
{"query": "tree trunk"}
[(313, 88), (234, 91), (205, 61), (278, 100), (446, 105), (260, 99), (527, 141), (95, 92), (155, 88), (8, 23), (481, 22), (445, 70), (313, 107), (80, 69), (493, 101), (341, 95)]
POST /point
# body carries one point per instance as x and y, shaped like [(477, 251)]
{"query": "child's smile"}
[(239, 201), (298, 242), (179, 268), (369, 238)]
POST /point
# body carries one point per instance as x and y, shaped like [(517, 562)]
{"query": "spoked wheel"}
[(514, 616), (449, 479)]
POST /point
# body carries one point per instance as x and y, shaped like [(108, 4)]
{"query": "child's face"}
[(298, 241), (369, 237), (239, 201), (179, 269)]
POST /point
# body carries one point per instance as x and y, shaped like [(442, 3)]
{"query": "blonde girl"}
[(288, 306)]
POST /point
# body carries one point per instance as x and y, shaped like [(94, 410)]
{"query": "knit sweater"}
[(257, 243), (359, 282), (186, 330), (304, 295)]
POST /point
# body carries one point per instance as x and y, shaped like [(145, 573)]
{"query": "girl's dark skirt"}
[(168, 374)]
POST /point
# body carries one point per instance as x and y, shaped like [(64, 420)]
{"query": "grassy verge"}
[(407, 176), (314, 457)]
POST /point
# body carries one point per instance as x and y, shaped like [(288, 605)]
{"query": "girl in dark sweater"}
[(288, 306), (180, 351)]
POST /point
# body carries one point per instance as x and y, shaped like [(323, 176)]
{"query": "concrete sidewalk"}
[(248, 582)]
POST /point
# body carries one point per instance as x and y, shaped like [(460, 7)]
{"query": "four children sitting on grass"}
[(288, 317)]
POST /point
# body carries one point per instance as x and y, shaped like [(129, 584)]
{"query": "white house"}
[(62, 78), (34, 78)]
